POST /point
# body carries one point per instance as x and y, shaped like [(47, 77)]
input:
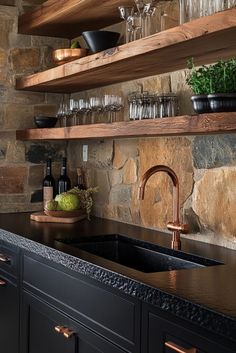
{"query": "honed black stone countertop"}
[(205, 296)]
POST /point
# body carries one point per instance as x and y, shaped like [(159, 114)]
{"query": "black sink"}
[(139, 255)]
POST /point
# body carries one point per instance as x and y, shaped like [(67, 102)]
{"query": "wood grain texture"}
[(42, 218), (181, 125), (207, 39), (69, 18)]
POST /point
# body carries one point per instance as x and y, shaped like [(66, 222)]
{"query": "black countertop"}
[(205, 296)]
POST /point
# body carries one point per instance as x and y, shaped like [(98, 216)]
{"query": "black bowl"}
[(100, 40), (45, 121)]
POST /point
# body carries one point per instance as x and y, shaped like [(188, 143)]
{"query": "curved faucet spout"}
[(175, 226)]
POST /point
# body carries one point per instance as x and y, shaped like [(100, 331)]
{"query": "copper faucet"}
[(176, 227)]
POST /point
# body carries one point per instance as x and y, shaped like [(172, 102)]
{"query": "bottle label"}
[(47, 194)]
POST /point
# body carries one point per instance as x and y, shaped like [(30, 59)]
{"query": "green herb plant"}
[(199, 79), (216, 78)]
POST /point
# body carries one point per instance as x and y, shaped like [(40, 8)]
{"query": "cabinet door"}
[(165, 336), (9, 315), (46, 329)]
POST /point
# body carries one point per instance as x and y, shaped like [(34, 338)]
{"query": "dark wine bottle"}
[(80, 180), (48, 183), (64, 183)]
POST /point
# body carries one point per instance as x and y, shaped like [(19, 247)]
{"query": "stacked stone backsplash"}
[(22, 164), (205, 165)]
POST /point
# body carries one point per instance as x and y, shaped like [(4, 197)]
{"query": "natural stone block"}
[(7, 2), (102, 181), (36, 175), (157, 211), (100, 154), (120, 194), (15, 151), (214, 201), (18, 116), (6, 24), (3, 58), (115, 177), (39, 153), (12, 179), (24, 59), (130, 172), (214, 151), (123, 150), (24, 98)]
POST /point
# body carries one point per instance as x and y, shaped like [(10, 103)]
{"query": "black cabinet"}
[(170, 335), (9, 300), (109, 313), (45, 329)]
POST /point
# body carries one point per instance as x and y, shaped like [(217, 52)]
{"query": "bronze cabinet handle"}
[(4, 258), (180, 349), (2, 282), (65, 331)]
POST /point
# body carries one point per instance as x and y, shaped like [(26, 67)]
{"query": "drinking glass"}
[(74, 106), (190, 10), (112, 104), (96, 107), (84, 110), (211, 6), (230, 3), (126, 13)]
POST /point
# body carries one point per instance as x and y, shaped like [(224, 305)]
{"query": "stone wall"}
[(22, 164), (206, 166)]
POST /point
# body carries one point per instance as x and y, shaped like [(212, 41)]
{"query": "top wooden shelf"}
[(69, 18), (206, 39)]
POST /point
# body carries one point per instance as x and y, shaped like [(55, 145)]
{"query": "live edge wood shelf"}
[(206, 39), (181, 125)]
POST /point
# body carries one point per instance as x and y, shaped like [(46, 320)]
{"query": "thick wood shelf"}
[(206, 39), (176, 126), (69, 18)]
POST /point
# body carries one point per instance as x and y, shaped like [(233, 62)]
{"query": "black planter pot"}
[(201, 104), (222, 102)]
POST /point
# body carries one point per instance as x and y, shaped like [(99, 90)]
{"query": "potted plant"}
[(214, 86), (222, 97), (199, 81)]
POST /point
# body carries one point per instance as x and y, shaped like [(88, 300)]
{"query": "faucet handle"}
[(182, 228)]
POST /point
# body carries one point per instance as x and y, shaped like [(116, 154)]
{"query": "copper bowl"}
[(62, 56)]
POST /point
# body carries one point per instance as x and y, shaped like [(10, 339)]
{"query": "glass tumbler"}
[(230, 3)]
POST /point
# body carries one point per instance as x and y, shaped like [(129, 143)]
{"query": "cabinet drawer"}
[(46, 329), (114, 316), (8, 258), (9, 314), (164, 336)]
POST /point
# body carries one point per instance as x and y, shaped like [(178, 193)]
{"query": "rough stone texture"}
[(38, 153), (12, 179), (24, 59), (214, 151), (214, 201), (130, 172), (157, 210)]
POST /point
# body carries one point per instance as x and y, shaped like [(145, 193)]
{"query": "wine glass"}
[(84, 109), (126, 13), (112, 104), (96, 107)]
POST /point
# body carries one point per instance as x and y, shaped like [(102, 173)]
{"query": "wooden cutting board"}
[(41, 217)]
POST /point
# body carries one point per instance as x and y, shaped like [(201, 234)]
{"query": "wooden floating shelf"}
[(206, 39), (69, 18), (182, 125)]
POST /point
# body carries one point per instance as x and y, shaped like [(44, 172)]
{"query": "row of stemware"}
[(88, 111)]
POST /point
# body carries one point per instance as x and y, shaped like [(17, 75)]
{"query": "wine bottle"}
[(48, 183), (80, 180), (64, 183)]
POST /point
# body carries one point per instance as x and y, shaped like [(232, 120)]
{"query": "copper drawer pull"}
[(180, 349), (2, 282), (4, 258), (65, 331)]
